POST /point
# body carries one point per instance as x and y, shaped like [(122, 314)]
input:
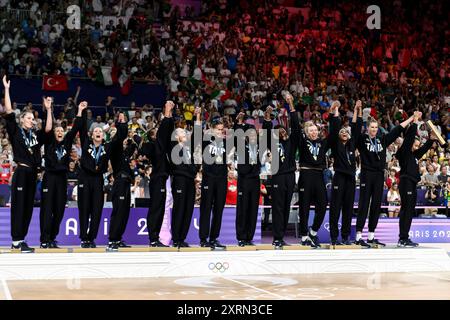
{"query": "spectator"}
[(393, 198)]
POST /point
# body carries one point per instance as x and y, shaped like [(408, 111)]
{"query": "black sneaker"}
[(346, 242), (362, 243), (85, 244), (216, 244), (45, 245), (92, 245), (157, 244), (241, 243), (376, 243), (205, 244), (184, 244), (54, 244), (249, 243), (176, 244), (336, 243), (278, 244), (113, 246), (314, 240), (23, 247), (122, 244), (407, 243), (308, 243)]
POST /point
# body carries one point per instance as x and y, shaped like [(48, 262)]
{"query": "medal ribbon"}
[(27, 139), (97, 153)]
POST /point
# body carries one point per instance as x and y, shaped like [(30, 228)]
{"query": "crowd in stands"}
[(239, 56)]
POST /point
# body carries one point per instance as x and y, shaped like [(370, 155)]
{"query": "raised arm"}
[(121, 134), (164, 134), (8, 105), (78, 121), (410, 134), (334, 123), (83, 128), (426, 146), (356, 124), (195, 143), (48, 107), (395, 133)]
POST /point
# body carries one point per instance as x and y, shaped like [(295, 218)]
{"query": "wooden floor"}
[(287, 287)]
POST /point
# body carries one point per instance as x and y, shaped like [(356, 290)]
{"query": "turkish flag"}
[(54, 83)]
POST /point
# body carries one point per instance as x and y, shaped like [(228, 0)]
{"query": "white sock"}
[(313, 233), (358, 236), (304, 238), (371, 235), (16, 243)]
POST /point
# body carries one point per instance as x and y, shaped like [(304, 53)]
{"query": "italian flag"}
[(106, 75)]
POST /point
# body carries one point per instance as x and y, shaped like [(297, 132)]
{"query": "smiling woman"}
[(26, 144), (54, 183)]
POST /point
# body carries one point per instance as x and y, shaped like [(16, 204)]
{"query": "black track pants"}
[(155, 215), (23, 189), (121, 199), (311, 189), (282, 191), (371, 191), (53, 204), (247, 208), (183, 193), (214, 191), (90, 205), (342, 197), (408, 198)]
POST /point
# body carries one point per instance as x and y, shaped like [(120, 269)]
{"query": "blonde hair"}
[(23, 114), (309, 124), (372, 120)]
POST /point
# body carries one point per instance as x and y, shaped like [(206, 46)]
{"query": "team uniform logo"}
[(60, 152), (216, 151), (30, 139), (314, 149), (374, 145), (281, 152)]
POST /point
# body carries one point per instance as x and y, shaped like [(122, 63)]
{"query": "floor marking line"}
[(255, 288), (431, 276), (8, 295)]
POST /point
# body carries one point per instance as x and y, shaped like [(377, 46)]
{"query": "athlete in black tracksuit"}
[(93, 164), (214, 185), (156, 151), (372, 149), (312, 186), (183, 171), (121, 153), (283, 180), (248, 186), (408, 156), (54, 183), (26, 144), (343, 187)]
